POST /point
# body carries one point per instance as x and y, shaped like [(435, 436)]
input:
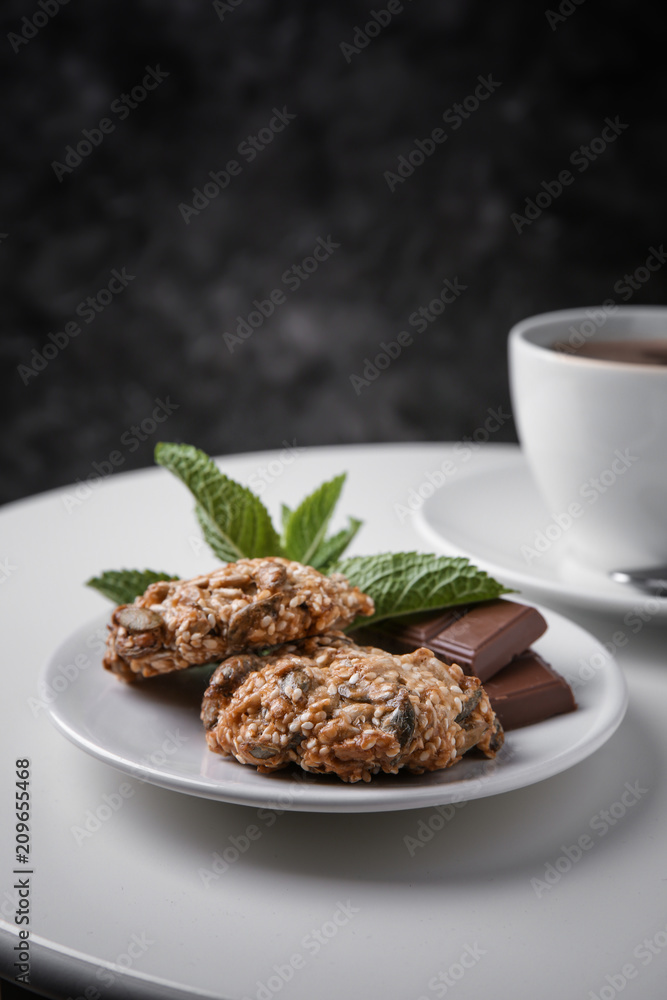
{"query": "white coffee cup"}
[(594, 432)]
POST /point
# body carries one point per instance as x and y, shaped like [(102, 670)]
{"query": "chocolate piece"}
[(528, 690), (481, 638)]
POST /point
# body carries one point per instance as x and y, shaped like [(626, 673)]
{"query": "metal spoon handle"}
[(652, 581)]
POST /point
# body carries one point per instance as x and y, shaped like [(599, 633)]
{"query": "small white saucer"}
[(152, 731), (494, 515)]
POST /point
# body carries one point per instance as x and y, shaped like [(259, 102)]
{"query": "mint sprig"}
[(122, 585), (332, 548), (233, 519), (305, 528), (236, 524), (285, 514), (403, 583)]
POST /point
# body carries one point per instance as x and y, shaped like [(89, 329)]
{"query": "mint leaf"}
[(333, 547), (235, 522), (307, 526), (217, 542), (122, 585), (402, 583), (285, 514)]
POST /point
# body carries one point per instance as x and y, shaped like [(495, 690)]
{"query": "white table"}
[(339, 892)]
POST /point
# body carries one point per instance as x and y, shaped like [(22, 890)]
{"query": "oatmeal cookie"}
[(331, 706), (249, 604)]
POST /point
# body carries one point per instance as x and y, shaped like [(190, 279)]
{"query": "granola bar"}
[(249, 604), (331, 706)]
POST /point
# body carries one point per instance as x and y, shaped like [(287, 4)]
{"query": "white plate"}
[(494, 516), (153, 732)]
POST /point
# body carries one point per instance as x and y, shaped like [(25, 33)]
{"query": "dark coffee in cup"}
[(629, 352)]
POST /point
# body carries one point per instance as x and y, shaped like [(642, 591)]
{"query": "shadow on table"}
[(498, 838)]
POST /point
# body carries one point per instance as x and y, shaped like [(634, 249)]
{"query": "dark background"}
[(163, 336)]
